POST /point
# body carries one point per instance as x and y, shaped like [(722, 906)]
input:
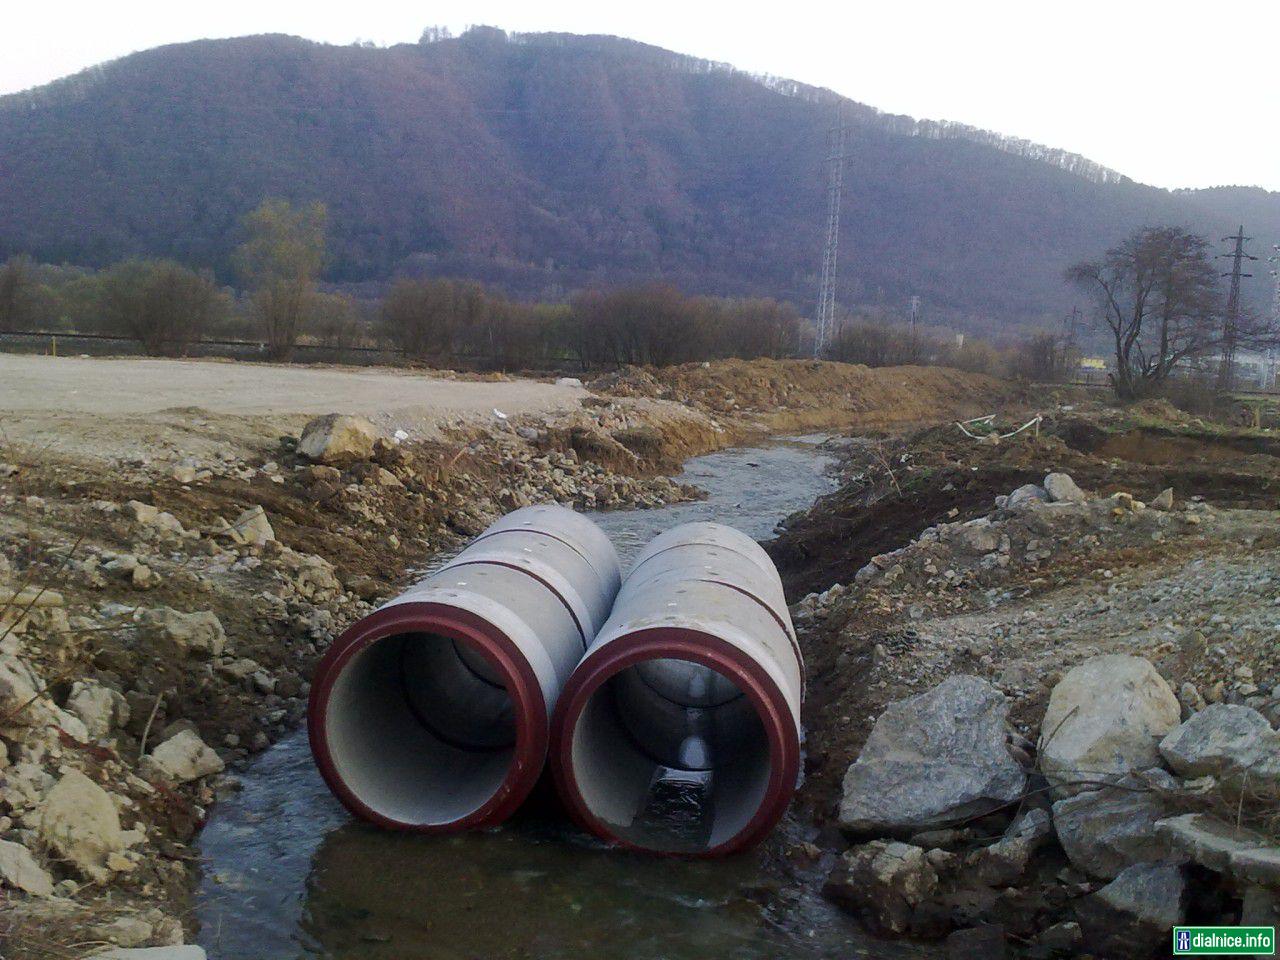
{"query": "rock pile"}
[(1107, 859), (1121, 809)]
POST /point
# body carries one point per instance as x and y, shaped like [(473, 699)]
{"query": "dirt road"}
[(121, 407)]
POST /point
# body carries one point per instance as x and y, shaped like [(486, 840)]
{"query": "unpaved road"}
[(124, 407)]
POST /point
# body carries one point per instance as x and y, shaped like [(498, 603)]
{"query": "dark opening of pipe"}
[(421, 729), (670, 755)]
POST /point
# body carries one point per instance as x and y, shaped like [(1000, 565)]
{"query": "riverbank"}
[(1025, 657), (172, 574)]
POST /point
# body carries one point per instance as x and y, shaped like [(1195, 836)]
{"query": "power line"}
[(825, 318)]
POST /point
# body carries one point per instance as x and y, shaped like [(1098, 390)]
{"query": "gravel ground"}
[(120, 407)]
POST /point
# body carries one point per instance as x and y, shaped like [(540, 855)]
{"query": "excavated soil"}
[(900, 486)]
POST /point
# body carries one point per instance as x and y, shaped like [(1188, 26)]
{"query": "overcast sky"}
[(1144, 87)]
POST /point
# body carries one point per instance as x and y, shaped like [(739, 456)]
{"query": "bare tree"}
[(162, 304), (15, 280), (279, 261), (1157, 294)]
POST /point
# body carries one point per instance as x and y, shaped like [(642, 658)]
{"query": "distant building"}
[(1092, 369)]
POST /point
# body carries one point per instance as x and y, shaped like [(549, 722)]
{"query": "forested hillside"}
[(546, 163)]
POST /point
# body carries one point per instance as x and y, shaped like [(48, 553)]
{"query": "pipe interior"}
[(421, 728), (670, 755)]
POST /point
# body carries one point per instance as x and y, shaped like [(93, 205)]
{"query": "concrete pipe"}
[(432, 713), (679, 732)]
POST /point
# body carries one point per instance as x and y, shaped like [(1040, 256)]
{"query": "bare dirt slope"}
[(121, 406)]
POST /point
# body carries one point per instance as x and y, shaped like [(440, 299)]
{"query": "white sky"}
[(1141, 86)]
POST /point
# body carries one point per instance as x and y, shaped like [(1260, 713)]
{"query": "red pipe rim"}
[(502, 654), (681, 643)]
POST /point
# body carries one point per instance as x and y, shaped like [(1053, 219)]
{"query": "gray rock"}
[(1133, 916), (181, 758), (1061, 938), (1226, 741), (1163, 500), (99, 708), (1222, 847), (184, 952), (335, 437), (80, 823), (1025, 495), (125, 931), (1004, 862), (198, 633), (150, 516), (1062, 489), (986, 942), (1105, 718), (253, 527), (882, 883), (932, 760), (1104, 831), (19, 870), (1260, 908)]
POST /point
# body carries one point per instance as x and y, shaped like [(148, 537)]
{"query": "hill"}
[(547, 162)]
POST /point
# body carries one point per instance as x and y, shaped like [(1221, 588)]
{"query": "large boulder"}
[(1134, 915), (1104, 831), (1234, 743), (19, 870), (336, 438), (933, 760), (80, 824), (881, 883), (181, 758), (1223, 847), (99, 708), (1062, 489), (1105, 718), (197, 634)]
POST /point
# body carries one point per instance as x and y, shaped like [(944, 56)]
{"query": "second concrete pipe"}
[(679, 732)]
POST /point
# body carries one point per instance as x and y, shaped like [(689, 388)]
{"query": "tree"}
[(425, 318), (15, 282), (335, 320), (1044, 357), (759, 328), (1157, 293), (160, 303), (653, 324), (280, 261)]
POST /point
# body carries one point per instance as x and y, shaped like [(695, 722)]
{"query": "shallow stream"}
[(288, 874)]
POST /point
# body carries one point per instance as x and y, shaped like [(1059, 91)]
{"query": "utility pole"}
[(1274, 260), (913, 341), (1273, 355), (1231, 325), (824, 322)]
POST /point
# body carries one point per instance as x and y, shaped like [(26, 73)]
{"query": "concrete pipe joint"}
[(433, 713), (679, 732)]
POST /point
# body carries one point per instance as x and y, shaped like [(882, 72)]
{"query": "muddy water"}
[(288, 874)]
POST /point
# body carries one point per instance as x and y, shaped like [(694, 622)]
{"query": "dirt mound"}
[(899, 487), (794, 393)]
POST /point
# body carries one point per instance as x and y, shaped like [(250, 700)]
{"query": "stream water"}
[(288, 874)]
